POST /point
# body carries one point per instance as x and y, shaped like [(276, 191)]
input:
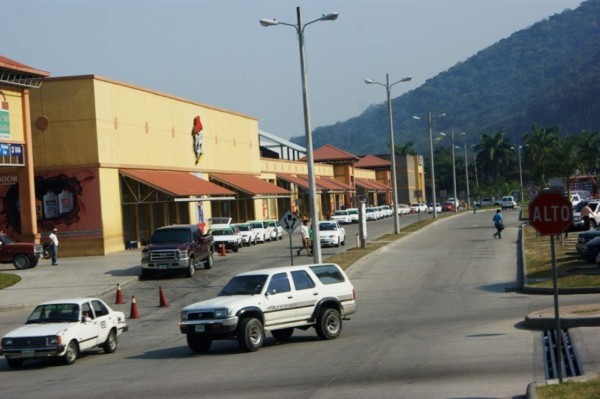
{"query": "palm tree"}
[(494, 154), (587, 145), (406, 149), (541, 150)]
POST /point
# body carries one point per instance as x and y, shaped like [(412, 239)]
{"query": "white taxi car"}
[(62, 329), (331, 233)]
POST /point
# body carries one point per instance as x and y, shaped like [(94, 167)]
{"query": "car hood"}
[(40, 330), (173, 245), (229, 301)]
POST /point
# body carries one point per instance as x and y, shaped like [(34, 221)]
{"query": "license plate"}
[(162, 267), (199, 328), (28, 353)]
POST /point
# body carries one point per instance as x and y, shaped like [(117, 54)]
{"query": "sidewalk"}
[(73, 277)]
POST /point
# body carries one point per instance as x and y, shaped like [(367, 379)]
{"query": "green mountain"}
[(547, 74)]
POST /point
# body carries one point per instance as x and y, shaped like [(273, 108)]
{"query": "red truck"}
[(21, 254)]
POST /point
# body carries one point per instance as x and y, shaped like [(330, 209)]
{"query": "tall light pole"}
[(433, 195), (453, 170), (388, 89), (312, 190), (467, 171), (521, 172)]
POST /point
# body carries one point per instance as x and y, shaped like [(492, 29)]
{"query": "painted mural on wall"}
[(67, 200)]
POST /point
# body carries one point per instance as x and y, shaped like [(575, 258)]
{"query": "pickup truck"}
[(22, 255), (277, 300), (180, 247)]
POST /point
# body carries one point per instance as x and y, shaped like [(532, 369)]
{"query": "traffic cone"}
[(119, 300), (163, 300), (134, 309), (223, 251)]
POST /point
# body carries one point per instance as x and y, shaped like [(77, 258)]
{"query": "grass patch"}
[(570, 390), (573, 271), (6, 280)]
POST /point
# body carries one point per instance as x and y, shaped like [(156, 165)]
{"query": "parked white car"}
[(248, 233), (403, 209), (225, 236), (63, 329), (508, 202), (417, 207), (371, 213), (438, 208), (331, 233), (353, 214), (276, 229), (262, 230), (343, 216)]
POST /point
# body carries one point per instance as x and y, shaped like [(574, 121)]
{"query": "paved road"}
[(435, 320)]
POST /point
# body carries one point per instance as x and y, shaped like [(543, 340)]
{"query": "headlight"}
[(7, 342), (53, 340), (184, 315), (144, 255), (181, 254), (221, 313)]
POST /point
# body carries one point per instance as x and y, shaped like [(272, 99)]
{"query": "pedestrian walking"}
[(498, 224), (306, 244), (54, 246), (586, 214)]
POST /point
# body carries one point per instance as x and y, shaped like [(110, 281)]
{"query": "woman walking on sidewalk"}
[(498, 224)]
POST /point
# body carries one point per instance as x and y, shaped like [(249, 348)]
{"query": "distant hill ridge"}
[(547, 74)]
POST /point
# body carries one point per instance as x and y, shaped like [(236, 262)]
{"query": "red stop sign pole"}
[(551, 214)]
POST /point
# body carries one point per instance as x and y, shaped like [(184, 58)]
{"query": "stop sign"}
[(550, 213)]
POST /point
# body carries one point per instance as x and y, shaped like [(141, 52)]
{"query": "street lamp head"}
[(369, 81), (269, 22), (416, 117), (442, 134), (441, 115), (330, 17), (406, 79)]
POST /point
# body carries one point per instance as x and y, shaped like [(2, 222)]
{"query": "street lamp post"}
[(467, 171), (521, 171), (453, 170), (388, 88), (433, 195), (312, 191)]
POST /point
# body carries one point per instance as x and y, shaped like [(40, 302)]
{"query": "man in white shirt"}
[(53, 246), (306, 244)]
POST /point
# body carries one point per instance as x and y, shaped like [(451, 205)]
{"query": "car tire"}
[(14, 363), (235, 248), (329, 324), (21, 262), (250, 334), (282, 335), (344, 241), (71, 354), (110, 345), (199, 343), (208, 263), (337, 244), (191, 269), (34, 263)]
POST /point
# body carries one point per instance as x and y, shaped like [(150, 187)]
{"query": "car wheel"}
[(329, 324), (250, 334), (14, 363), (191, 269), (236, 248), (337, 244), (110, 345), (282, 335), (71, 353), (21, 262), (208, 263), (344, 241), (199, 343), (34, 263)]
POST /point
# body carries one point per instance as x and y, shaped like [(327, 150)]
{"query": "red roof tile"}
[(176, 184), (331, 153), (13, 65), (249, 184), (372, 161)]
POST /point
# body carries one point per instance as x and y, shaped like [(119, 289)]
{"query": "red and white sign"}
[(550, 213)]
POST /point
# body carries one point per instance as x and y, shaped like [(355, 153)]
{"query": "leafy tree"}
[(541, 150), (494, 155)]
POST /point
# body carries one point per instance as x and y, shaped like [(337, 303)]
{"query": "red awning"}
[(176, 184), (371, 185), (250, 184), (299, 181)]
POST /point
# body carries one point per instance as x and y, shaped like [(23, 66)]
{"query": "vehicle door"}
[(88, 330), (101, 320), (200, 245), (306, 294), (280, 306)]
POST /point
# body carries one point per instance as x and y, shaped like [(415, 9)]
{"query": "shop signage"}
[(197, 138), (4, 124), (11, 154)]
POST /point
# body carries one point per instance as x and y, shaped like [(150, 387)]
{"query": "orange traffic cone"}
[(223, 251), (163, 300), (134, 309), (119, 300)]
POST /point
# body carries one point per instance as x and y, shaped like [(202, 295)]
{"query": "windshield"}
[(221, 232), (245, 285), (257, 225), (171, 235), (353, 212), (54, 313), (243, 227), (340, 213), (327, 226)]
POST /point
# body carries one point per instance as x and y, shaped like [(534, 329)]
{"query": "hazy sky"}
[(215, 52)]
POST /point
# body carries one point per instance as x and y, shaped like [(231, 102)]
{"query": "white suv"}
[(508, 202), (275, 300)]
